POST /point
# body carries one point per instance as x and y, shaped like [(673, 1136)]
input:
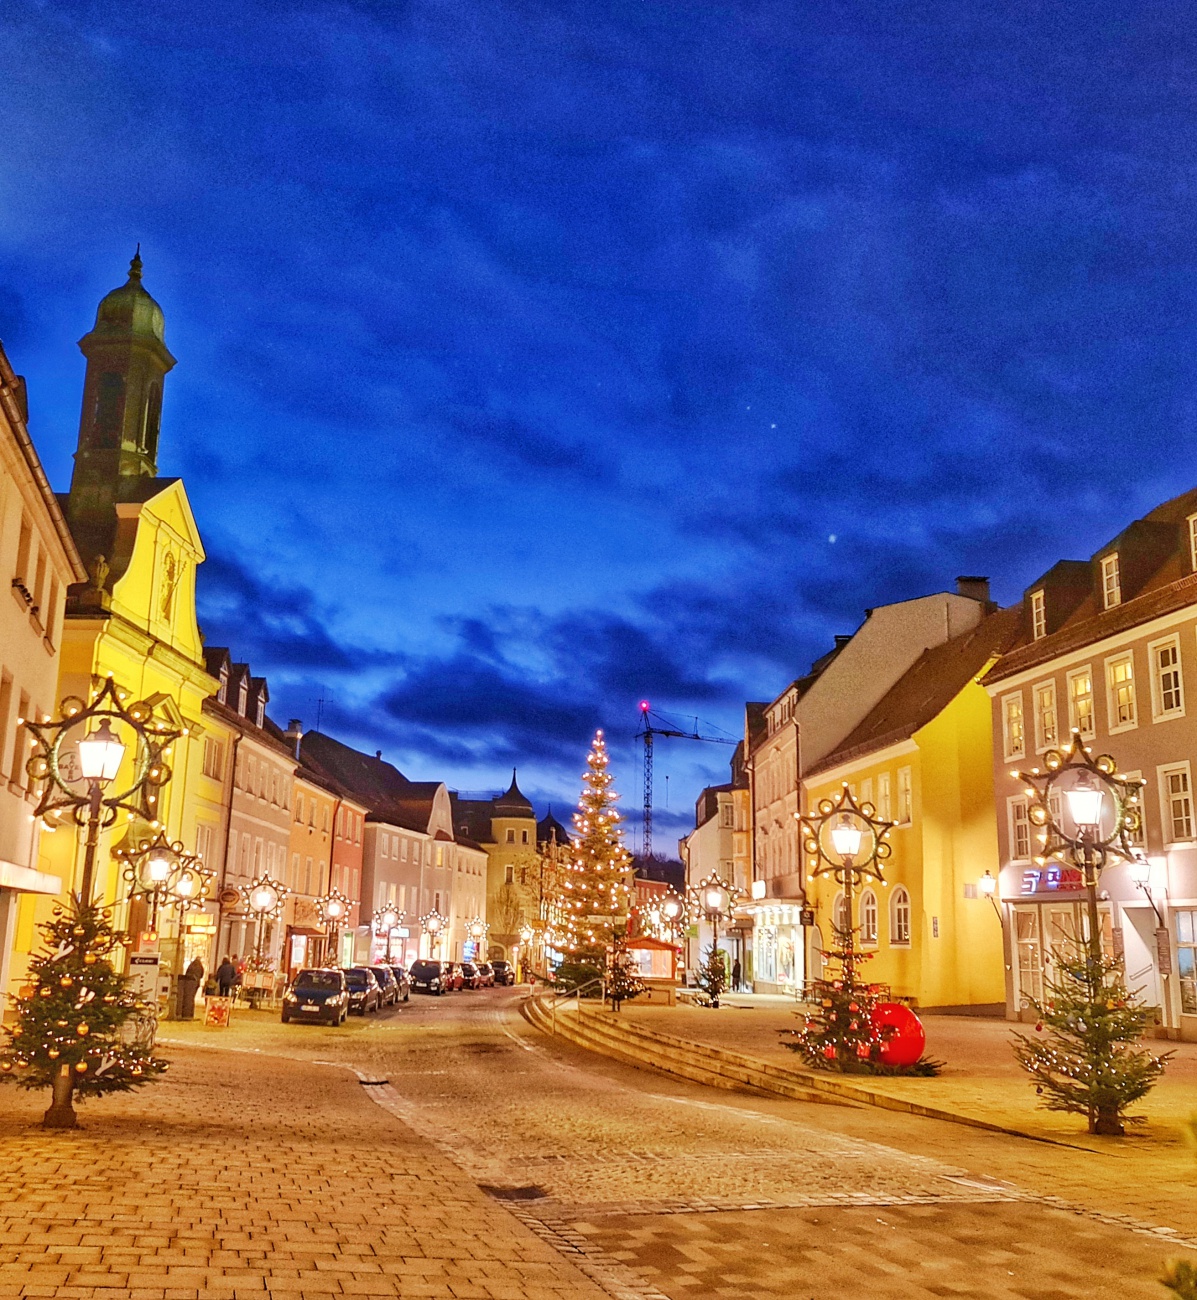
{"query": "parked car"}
[(428, 976), (387, 984), (317, 996), (470, 978), (503, 972), (364, 993), (403, 982), (453, 979), (486, 975)]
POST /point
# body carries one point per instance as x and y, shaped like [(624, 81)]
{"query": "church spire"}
[(127, 359)]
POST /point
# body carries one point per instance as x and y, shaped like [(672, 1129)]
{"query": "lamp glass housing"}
[(101, 754), (987, 885), (713, 897), (263, 898), (1085, 802), (1140, 870), (389, 919), (672, 908), (334, 908), (158, 868), (845, 837)]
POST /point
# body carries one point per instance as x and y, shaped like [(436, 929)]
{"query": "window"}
[(1186, 960), (1111, 583), (868, 917), (1120, 685), (223, 693), (899, 918), (866, 790), (261, 711), (1167, 689), (905, 795), (1047, 732), (727, 815), (203, 840), (403, 849), (1038, 616), (1013, 729), (307, 877), (1192, 522), (1020, 830), (509, 874), (299, 807), (523, 837), (840, 918), (510, 836), (883, 796), (20, 742), (23, 544), (50, 613), (294, 870), (1176, 803), (213, 757), (384, 841), (1080, 701)]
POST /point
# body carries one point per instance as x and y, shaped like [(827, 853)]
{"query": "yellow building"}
[(923, 758), (134, 619)]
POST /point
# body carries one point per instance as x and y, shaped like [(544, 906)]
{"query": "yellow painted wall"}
[(950, 841)]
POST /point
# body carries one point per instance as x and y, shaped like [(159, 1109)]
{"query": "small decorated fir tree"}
[(623, 982), (712, 975), (1089, 1062), (596, 889), (67, 1036)]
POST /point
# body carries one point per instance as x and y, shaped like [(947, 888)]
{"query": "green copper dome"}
[(130, 312)]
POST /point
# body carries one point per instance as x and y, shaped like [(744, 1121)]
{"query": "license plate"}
[(309, 1007)]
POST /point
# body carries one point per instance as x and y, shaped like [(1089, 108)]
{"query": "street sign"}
[(143, 975)]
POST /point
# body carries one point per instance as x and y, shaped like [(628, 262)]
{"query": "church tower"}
[(127, 359)]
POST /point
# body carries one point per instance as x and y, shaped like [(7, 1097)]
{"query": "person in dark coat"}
[(226, 977), (195, 971), (736, 973)]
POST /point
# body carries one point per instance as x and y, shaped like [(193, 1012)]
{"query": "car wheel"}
[(285, 1020), (407, 996)]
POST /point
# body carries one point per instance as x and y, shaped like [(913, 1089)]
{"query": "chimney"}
[(378, 754), (974, 588), (294, 734)]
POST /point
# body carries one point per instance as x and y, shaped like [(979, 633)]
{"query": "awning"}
[(28, 881), (310, 930)]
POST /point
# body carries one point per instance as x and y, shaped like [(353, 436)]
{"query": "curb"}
[(720, 1068)]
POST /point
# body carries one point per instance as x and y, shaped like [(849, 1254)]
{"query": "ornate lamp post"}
[(846, 840), (1102, 817), (1140, 870), (386, 921), (716, 899), (433, 924), (163, 873), (477, 930), (80, 763), (334, 908), (264, 898)]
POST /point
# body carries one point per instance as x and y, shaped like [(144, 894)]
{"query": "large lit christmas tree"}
[(596, 890), (67, 1036), (1089, 1061)]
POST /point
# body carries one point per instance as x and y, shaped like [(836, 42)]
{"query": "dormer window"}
[(1038, 616), (242, 697), (260, 716), (1192, 522), (1111, 583), (223, 693)]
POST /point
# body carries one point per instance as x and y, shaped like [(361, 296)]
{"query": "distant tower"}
[(127, 359)]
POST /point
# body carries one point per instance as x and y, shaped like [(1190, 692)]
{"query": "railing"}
[(560, 995)]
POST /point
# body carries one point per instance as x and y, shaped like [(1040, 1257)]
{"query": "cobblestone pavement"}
[(659, 1188), (242, 1176)]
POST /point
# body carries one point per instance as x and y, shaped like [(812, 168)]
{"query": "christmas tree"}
[(712, 975), (1089, 1062), (67, 1036), (596, 888), (623, 983)]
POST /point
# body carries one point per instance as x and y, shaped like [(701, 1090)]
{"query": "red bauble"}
[(903, 1039), (829, 1052)]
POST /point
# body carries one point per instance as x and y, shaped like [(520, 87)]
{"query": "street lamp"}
[(433, 924), (848, 841), (1103, 807), (987, 888), (386, 921), (80, 768), (477, 930), (163, 873), (1140, 870), (264, 897), (716, 899), (334, 908)]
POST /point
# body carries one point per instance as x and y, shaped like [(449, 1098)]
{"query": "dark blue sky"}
[(537, 357)]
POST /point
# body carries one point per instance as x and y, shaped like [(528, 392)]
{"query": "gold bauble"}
[(66, 982), (53, 1053), (78, 932), (81, 1067), (45, 992), (22, 1065), (82, 1030), (90, 959)]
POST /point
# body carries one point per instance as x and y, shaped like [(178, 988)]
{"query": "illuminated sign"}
[(1054, 876)]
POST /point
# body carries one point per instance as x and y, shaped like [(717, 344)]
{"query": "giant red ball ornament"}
[(903, 1039)]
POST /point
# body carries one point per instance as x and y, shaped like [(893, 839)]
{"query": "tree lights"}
[(80, 765), (1089, 1063), (67, 1035)]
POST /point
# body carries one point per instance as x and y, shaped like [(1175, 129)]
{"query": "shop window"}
[(1186, 960), (868, 917), (899, 918)]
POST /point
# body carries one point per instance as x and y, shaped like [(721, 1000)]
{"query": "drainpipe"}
[(228, 837)]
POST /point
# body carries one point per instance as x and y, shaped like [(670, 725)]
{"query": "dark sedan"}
[(364, 993), (428, 976), (320, 996), (503, 972), (388, 986)]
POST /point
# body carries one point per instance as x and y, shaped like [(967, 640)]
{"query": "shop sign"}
[(1163, 950), (1041, 880), (306, 914), (807, 917), (143, 975)]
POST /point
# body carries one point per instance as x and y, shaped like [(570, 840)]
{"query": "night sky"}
[(538, 357)]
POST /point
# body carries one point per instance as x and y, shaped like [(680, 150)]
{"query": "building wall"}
[(514, 883), (1038, 903)]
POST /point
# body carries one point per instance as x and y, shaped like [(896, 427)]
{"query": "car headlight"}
[(290, 997)]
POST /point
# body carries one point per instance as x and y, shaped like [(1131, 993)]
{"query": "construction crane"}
[(648, 731)]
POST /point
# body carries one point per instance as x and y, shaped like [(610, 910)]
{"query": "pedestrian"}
[(226, 977), (736, 973), (195, 971)]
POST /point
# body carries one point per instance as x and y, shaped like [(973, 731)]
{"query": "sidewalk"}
[(234, 1178), (980, 1078)]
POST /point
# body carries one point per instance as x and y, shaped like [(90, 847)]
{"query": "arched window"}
[(868, 917), (840, 918), (110, 409), (899, 918)]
